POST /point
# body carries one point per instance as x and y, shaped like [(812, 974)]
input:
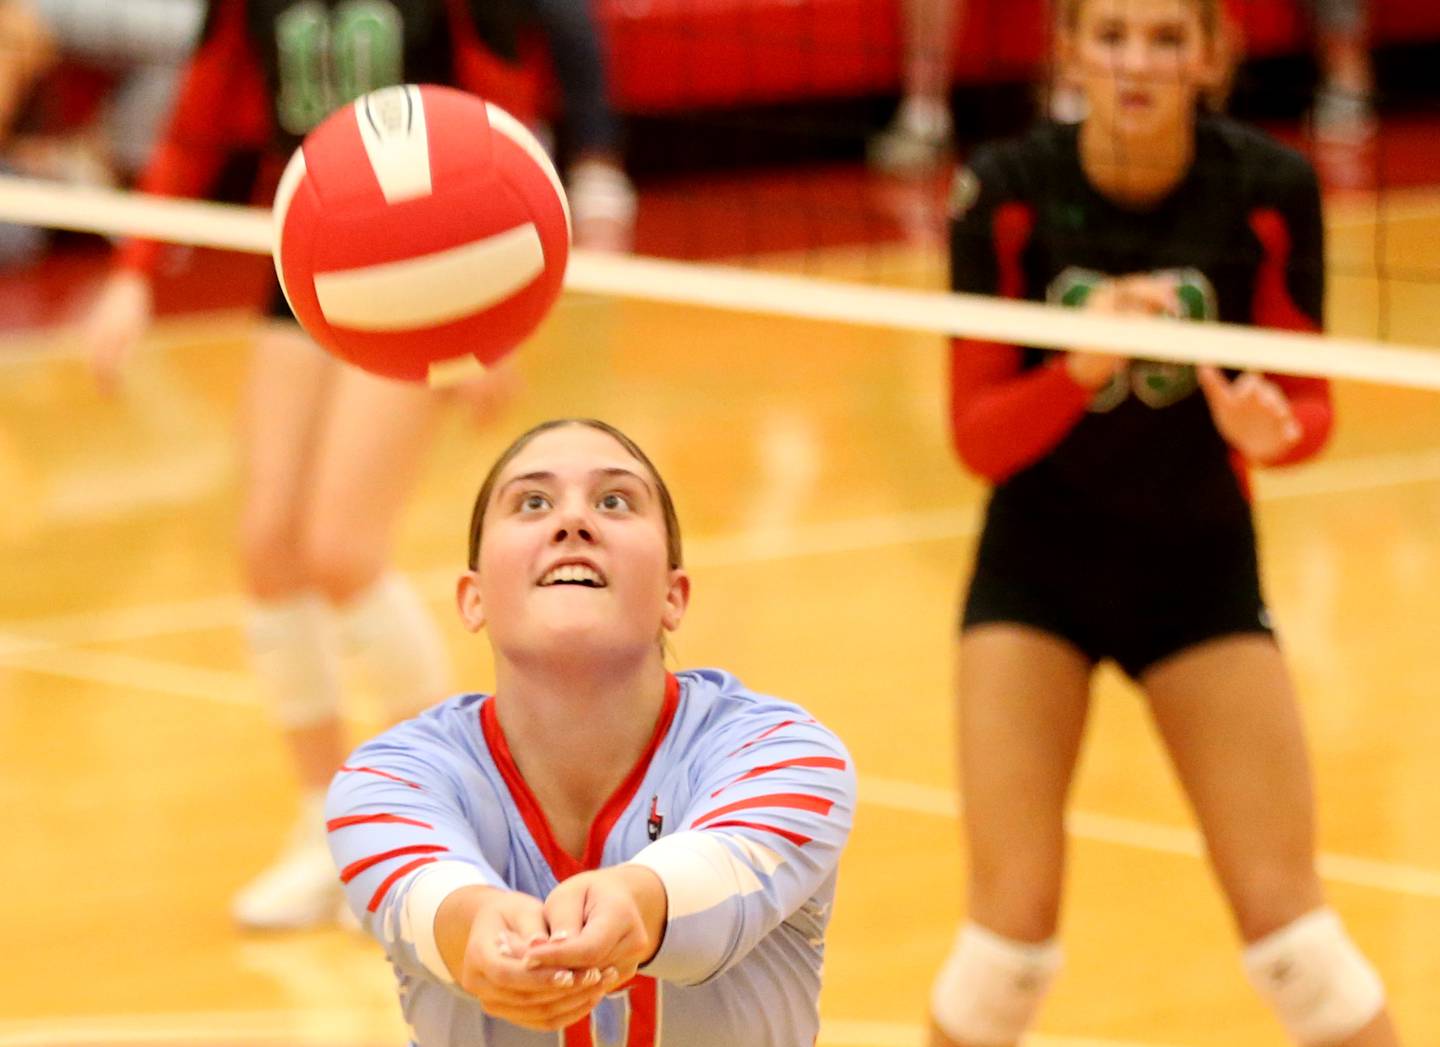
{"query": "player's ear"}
[(677, 598), (468, 601)]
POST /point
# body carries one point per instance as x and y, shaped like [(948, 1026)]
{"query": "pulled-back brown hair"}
[(487, 488)]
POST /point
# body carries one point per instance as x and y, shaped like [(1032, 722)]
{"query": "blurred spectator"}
[(1344, 112), (920, 137), (139, 44), (602, 200)]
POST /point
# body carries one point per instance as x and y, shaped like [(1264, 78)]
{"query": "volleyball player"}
[(1119, 526), (330, 452), (599, 846)]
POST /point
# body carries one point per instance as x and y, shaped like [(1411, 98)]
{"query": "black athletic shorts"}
[(1117, 592)]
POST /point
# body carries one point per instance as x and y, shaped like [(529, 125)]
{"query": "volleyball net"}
[(821, 76)]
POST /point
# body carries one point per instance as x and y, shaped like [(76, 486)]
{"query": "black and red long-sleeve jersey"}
[(265, 72), (1241, 235)]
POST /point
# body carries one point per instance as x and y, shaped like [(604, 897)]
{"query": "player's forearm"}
[(651, 902), (1000, 428), (452, 923)]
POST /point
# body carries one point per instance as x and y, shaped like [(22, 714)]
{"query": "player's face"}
[(574, 559), (1141, 63)]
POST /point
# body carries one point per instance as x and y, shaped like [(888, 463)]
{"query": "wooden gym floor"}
[(827, 529)]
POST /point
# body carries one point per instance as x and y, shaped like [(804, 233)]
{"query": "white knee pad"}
[(392, 634), (991, 988), (1319, 984), (293, 645)]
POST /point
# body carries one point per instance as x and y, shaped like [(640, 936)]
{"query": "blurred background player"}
[(137, 48), (920, 137), (602, 199), (1344, 111), (1120, 527), (330, 452), (596, 815)]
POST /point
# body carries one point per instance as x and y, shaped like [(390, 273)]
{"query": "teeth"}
[(572, 572)]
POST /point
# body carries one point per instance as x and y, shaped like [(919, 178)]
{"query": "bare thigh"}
[(1024, 695), (284, 398), (1227, 713), (367, 458)]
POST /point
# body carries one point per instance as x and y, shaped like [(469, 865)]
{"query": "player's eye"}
[(1110, 34), (1172, 37), (534, 502), (613, 501)]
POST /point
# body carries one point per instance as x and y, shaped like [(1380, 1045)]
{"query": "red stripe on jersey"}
[(766, 734), (795, 801), (831, 762), (798, 839), (1272, 304), (382, 774), (1012, 225), (354, 869), (373, 819), (644, 1012), (389, 881)]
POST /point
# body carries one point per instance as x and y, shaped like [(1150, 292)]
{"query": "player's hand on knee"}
[(484, 934), (116, 323), (1252, 413)]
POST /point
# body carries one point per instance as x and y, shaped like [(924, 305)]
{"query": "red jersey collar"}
[(562, 863)]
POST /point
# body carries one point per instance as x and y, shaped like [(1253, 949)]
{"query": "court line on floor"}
[(1342, 476), (1396, 877), (132, 672), (352, 1027)]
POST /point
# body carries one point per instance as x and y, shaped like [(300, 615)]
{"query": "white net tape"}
[(248, 229)]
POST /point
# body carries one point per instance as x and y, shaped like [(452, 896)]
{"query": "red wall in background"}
[(680, 54)]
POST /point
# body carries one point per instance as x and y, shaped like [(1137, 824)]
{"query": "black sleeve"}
[(975, 193), (1299, 206)]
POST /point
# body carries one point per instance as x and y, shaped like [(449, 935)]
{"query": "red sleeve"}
[(1003, 419), (481, 71), (220, 106), (1290, 271)]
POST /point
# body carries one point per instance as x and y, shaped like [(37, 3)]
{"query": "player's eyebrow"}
[(539, 476), (543, 476), (617, 471)]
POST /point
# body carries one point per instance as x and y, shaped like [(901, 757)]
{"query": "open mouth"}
[(573, 574)]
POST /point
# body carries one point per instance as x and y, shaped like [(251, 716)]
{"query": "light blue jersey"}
[(741, 805)]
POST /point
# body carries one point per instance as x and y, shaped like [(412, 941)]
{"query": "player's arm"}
[(29, 49), (1278, 419), (775, 798), (430, 890), (213, 88), (1303, 266), (1002, 417)]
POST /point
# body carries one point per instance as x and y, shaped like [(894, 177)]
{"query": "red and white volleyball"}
[(418, 227)]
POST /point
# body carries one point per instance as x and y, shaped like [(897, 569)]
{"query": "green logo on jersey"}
[(1154, 383), (329, 58)]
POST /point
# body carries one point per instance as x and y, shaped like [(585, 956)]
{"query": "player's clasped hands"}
[(1139, 294), (546, 965)]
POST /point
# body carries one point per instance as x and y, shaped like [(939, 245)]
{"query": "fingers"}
[(1148, 294), (1213, 383), (565, 909)]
